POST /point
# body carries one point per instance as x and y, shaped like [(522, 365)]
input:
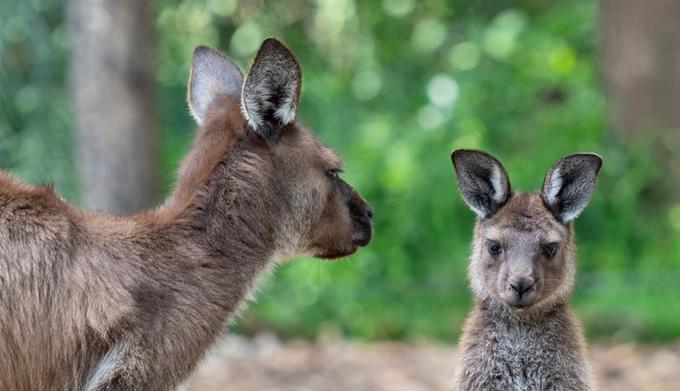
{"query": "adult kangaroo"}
[(93, 301)]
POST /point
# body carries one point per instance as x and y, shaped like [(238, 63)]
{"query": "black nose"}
[(521, 286), (369, 212)]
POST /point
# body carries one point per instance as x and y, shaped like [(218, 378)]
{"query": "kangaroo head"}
[(311, 210), (523, 248)]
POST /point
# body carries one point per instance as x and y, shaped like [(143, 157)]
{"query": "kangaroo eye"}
[(494, 247), (334, 173), (549, 250)]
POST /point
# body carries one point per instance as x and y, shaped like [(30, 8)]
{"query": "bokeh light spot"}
[(222, 7), (246, 39), (366, 84), (428, 35), (442, 90), (561, 60), (430, 117), (464, 56), (398, 8), (500, 38)]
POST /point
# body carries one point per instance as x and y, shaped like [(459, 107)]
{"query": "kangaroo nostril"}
[(521, 287), (369, 212)]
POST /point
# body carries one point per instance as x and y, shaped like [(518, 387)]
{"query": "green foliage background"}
[(394, 86)]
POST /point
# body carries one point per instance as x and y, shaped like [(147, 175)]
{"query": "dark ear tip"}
[(459, 154), (201, 49), (274, 47), (594, 158), (455, 154), (463, 153), (272, 41), (272, 44), (597, 158)]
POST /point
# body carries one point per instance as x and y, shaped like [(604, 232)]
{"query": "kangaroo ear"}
[(482, 181), (271, 89), (211, 74), (569, 184)]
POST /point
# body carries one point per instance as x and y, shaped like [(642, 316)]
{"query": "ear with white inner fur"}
[(271, 89), (482, 181), (211, 74), (569, 184)]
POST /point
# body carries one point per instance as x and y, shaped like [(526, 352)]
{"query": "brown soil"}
[(266, 364)]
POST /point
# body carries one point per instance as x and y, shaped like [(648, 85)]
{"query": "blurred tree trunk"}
[(113, 89), (640, 53)]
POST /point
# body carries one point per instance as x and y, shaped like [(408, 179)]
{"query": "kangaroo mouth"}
[(361, 235), (364, 237), (363, 232), (520, 304), (341, 253)]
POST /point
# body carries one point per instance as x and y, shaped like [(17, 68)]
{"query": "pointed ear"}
[(211, 74), (271, 89), (569, 183), (482, 181)]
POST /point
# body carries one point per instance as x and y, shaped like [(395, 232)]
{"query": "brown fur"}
[(102, 302)]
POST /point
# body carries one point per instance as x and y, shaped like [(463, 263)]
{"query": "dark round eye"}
[(334, 173), (494, 247), (549, 250)]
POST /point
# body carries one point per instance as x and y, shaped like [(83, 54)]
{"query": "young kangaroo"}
[(521, 334), (100, 302)]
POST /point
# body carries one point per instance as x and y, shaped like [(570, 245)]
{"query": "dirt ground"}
[(266, 364)]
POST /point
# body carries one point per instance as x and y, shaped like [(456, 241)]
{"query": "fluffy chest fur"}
[(506, 353)]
